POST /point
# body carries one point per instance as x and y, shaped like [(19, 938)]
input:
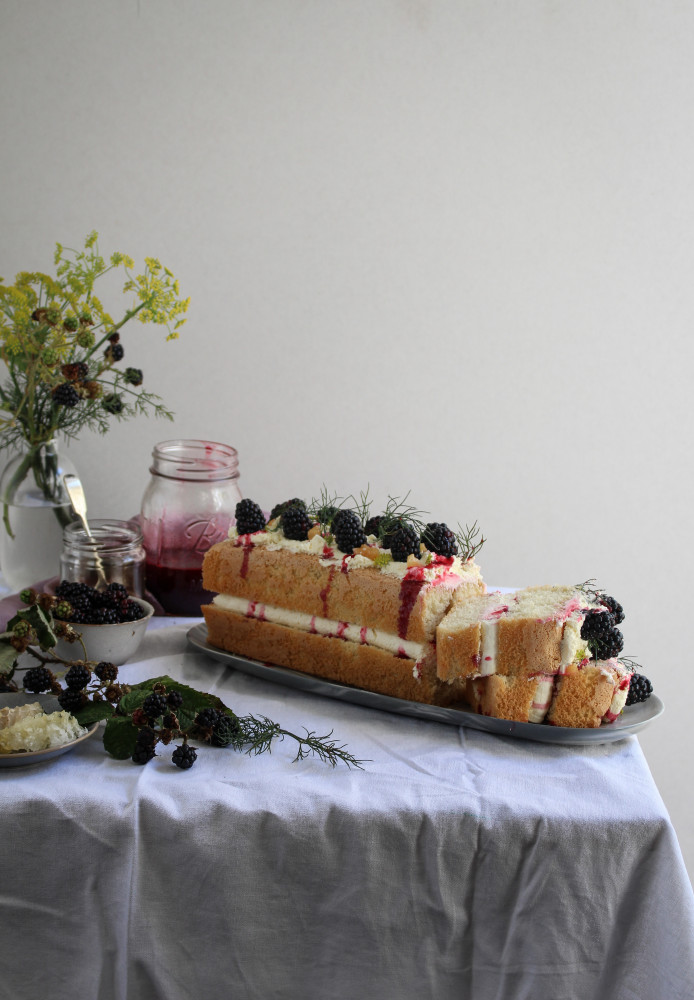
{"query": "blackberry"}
[(226, 730), (103, 616), (71, 700), (174, 699), (114, 352), (77, 677), (154, 705), (403, 543), (438, 538), (372, 525), (112, 403), (348, 532), (596, 624), (105, 671), (249, 517), (131, 611), (614, 607), (280, 508), (170, 721), (38, 679), (184, 756), (134, 376), (295, 523), (608, 645), (143, 754), (207, 718), (118, 588), (66, 395), (109, 599), (146, 737), (640, 689)]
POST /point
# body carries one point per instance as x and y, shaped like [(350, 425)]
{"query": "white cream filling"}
[(488, 646), (619, 700), (541, 698), (571, 643), (360, 634)]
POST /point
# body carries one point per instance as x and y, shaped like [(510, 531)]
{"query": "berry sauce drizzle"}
[(325, 593), (411, 584), (246, 556)]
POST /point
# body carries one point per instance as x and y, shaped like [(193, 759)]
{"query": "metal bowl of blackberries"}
[(111, 622)]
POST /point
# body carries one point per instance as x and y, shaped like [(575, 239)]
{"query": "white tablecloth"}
[(457, 864)]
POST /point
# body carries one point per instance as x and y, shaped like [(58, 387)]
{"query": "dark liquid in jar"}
[(178, 589)]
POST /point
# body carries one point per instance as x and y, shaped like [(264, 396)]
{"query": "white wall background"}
[(438, 245)]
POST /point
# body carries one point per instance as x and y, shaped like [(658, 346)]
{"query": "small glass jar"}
[(188, 506), (118, 546)]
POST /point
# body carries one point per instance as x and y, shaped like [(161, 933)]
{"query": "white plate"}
[(631, 721), (21, 758)]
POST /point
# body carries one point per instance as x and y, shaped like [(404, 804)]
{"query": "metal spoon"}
[(75, 491)]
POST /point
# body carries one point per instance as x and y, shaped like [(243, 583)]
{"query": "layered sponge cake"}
[(366, 616), (376, 604)]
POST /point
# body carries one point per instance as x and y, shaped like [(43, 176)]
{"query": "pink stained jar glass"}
[(187, 507)]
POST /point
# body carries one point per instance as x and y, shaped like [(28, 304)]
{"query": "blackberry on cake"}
[(437, 537), (596, 624), (614, 607), (347, 531), (640, 689), (404, 542), (295, 523), (249, 517), (608, 645)]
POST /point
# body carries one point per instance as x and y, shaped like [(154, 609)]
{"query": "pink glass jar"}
[(188, 505)]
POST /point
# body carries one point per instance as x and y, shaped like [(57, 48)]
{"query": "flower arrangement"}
[(63, 352)]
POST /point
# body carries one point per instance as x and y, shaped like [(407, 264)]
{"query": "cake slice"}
[(531, 632), (589, 693), (519, 699)]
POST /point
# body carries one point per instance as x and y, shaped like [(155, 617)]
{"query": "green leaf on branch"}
[(120, 737), (8, 657), (92, 712)]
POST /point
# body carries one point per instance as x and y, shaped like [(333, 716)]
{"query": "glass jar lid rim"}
[(106, 532), (194, 459)]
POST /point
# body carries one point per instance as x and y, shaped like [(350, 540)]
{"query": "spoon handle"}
[(75, 491)]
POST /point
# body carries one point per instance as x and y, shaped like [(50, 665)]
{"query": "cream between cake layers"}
[(357, 617)]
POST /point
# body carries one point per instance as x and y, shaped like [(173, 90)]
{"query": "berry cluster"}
[(600, 631), (157, 722), (81, 684), (80, 604), (397, 528)]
